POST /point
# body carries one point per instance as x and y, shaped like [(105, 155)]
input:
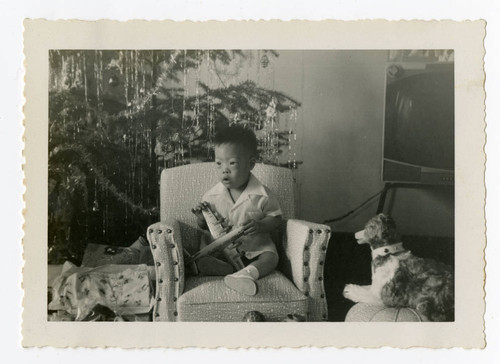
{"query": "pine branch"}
[(86, 159)]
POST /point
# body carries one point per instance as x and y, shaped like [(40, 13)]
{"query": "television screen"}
[(419, 119)]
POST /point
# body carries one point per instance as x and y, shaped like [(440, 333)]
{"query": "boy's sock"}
[(244, 281), (253, 271)]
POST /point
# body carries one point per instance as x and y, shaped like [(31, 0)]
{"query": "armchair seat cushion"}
[(209, 299)]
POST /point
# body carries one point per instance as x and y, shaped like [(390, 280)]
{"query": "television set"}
[(419, 124)]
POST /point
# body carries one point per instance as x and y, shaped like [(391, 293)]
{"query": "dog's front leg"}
[(365, 294), (372, 294)]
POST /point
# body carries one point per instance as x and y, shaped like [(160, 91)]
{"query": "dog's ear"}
[(386, 220), (380, 231), (389, 221), (389, 232)]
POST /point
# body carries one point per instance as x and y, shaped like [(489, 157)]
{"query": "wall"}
[(340, 142)]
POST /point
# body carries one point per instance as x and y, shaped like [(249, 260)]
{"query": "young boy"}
[(243, 200)]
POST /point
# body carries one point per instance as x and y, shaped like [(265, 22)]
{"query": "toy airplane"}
[(223, 240)]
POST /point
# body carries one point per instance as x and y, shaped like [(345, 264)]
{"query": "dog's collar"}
[(386, 250)]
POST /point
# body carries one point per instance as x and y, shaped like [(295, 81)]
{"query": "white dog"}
[(400, 279)]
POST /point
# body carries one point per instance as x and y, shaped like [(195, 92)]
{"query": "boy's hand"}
[(200, 219), (197, 210), (199, 207), (265, 225), (252, 227)]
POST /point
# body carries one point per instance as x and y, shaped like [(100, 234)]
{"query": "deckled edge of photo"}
[(467, 38)]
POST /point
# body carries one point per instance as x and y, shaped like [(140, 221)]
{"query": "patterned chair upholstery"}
[(295, 288)]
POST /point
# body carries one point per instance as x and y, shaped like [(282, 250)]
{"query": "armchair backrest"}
[(182, 187)]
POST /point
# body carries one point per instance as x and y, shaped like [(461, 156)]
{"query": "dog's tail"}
[(439, 305), (428, 308)]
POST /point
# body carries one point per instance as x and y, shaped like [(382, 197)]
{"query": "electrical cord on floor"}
[(354, 209)]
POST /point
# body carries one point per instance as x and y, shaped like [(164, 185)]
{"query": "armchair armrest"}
[(305, 246), (166, 247)]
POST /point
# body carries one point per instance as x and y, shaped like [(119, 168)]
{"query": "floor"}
[(348, 262)]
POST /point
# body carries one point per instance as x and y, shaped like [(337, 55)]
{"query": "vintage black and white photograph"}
[(251, 185), (304, 191)]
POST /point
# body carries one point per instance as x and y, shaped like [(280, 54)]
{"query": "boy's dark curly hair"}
[(239, 135)]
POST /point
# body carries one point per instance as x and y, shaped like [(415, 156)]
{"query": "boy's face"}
[(234, 164)]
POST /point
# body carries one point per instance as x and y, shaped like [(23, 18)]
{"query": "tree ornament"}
[(264, 61), (395, 71), (236, 118), (114, 81), (271, 109)]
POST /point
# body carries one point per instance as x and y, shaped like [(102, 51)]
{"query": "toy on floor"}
[(102, 313), (292, 317), (254, 316), (400, 279)]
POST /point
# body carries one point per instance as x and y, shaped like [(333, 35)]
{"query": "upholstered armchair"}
[(295, 288)]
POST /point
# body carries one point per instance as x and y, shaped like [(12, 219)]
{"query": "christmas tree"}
[(117, 118)]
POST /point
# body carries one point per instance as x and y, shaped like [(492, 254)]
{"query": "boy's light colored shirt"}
[(255, 202)]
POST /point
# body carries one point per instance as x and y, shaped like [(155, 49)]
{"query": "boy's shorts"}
[(255, 255)]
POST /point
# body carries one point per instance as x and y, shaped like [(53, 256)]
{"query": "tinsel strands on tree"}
[(289, 133), (197, 90), (125, 66), (98, 79), (294, 152), (140, 102), (101, 181), (210, 112), (85, 83), (184, 97), (136, 74)]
